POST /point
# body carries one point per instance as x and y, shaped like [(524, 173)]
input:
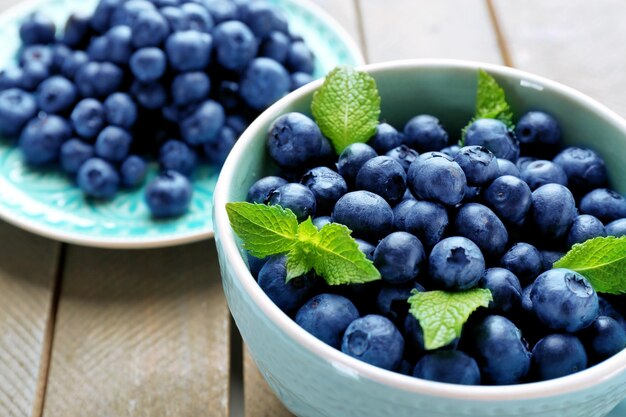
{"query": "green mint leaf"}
[(442, 314), (490, 103), (265, 230), (347, 107), (300, 258), (601, 260), (338, 258)]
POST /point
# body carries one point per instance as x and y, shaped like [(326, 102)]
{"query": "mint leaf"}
[(347, 107), (601, 260), (442, 314), (490, 103), (300, 258), (338, 257), (265, 230)]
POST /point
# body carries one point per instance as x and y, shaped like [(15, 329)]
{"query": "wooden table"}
[(99, 333)]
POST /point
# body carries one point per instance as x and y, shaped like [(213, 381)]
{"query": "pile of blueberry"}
[(494, 213), (174, 80)]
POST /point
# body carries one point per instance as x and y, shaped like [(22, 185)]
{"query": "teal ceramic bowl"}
[(313, 379), (47, 202)]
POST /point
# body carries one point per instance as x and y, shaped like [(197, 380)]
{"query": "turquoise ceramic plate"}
[(47, 202)]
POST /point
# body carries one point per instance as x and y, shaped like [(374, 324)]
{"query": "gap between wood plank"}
[(502, 44), (48, 340), (236, 397)]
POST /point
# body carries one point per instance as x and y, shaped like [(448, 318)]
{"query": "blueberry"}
[(177, 156), (113, 144), (300, 58), (585, 169), (451, 150), (221, 10), (189, 50), (98, 49), (428, 221), (478, 163), (38, 28), (558, 355), (96, 79), (260, 190), (17, 107), (384, 176), (549, 257), (604, 338), (385, 139), (495, 136), (375, 340), (60, 53), (237, 122), (391, 301), (564, 300), (327, 316), (425, 133), (438, 179), (77, 29), (616, 228), (538, 129), (472, 194), (524, 260), (88, 118), (217, 149), (73, 154), (150, 96), (287, 295), (483, 227), (352, 159), (203, 124), (509, 197), (263, 83), (583, 228), (133, 171), (413, 337), (56, 94), (41, 139), (401, 211), (294, 140), (70, 67), (299, 79), (327, 187), (605, 204), (97, 178), (607, 309), (505, 289), (365, 213), (235, 45), (190, 87), (263, 18), (322, 221), (198, 17), (540, 172), (399, 257), (275, 46), (101, 20), (33, 73), (120, 110), (296, 197), (119, 44), (168, 194), (148, 64), (255, 264), (500, 351), (404, 155), (506, 167), (228, 95), (128, 11), (553, 209), (11, 77), (41, 54), (176, 18), (456, 263), (451, 366)]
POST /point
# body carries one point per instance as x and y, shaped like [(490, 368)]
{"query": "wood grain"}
[(28, 266), (576, 42), (140, 333), (402, 29), (260, 400)]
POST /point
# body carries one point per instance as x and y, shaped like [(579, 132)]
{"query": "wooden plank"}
[(402, 29), (28, 265), (140, 333), (260, 400), (575, 42)]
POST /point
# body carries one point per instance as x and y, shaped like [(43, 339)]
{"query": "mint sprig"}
[(442, 314), (601, 260), (331, 251), (490, 103), (347, 107)]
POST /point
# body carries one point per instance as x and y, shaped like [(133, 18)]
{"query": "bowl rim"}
[(587, 378), (50, 231)]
